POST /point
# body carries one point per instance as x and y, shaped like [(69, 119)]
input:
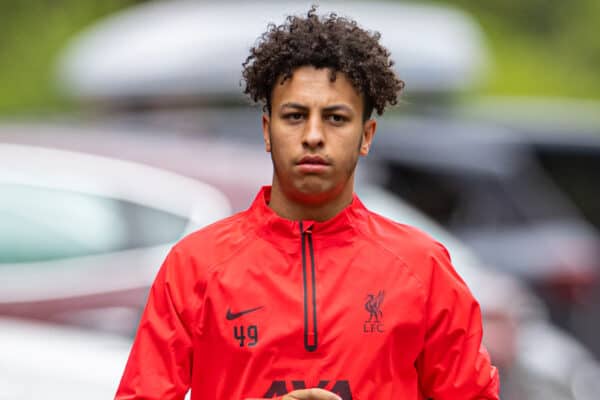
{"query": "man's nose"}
[(314, 137)]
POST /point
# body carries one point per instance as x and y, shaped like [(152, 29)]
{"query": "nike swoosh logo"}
[(231, 316)]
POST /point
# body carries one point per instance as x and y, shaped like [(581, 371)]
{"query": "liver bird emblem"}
[(373, 306)]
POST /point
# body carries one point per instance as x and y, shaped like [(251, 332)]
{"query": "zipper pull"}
[(307, 227)]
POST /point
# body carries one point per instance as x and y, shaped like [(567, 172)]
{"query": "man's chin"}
[(315, 193)]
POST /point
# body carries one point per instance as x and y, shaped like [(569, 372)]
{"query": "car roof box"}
[(191, 49)]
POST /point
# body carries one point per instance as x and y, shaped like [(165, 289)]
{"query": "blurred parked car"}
[(237, 171), (43, 361), (564, 136), (82, 236), (489, 185)]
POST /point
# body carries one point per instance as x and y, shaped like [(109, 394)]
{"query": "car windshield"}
[(471, 200), (577, 174), (41, 224)]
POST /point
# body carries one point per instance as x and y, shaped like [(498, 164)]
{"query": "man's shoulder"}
[(217, 238), (422, 254), (397, 235)]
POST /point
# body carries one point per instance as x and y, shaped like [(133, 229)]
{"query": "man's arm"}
[(453, 363), (159, 365)]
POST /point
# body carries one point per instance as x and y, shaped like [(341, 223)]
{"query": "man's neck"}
[(297, 210)]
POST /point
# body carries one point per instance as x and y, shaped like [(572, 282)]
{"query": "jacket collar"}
[(340, 228)]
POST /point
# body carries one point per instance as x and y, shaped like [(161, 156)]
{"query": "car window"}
[(40, 224), (577, 174), (458, 199), (454, 200)]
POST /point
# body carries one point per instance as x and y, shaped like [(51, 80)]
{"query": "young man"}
[(307, 291)]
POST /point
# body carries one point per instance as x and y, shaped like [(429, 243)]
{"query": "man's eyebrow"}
[(297, 106), (338, 107), (328, 109)]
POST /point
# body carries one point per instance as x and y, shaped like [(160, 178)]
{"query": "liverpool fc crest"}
[(373, 307)]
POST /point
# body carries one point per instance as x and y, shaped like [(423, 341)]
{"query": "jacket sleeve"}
[(454, 364), (160, 361)]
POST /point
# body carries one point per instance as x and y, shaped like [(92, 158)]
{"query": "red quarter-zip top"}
[(255, 306)]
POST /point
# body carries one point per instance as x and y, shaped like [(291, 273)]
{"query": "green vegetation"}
[(33, 31), (539, 47)]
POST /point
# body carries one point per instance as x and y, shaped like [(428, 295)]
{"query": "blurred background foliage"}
[(538, 47), (32, 33)]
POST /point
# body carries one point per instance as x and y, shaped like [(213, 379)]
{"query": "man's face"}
[(315, 134)]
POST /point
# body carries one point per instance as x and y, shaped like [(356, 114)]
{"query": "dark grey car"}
[(509, 196)]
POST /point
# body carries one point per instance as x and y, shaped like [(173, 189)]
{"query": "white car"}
[(82, 236), (42, 361)]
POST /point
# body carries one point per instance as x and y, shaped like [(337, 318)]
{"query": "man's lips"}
[(312, 164), (312, 160)]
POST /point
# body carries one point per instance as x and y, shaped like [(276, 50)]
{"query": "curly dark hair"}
[(330, 41)]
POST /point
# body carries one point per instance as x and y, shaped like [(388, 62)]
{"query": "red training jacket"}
[(255, 306)]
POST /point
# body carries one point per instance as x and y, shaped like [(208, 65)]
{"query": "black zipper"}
[(310, 291)]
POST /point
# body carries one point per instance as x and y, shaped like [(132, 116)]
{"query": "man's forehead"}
[(310, 72), (314, 85)]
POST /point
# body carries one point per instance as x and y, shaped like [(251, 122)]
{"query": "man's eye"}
[(294, 116), (336, 118)]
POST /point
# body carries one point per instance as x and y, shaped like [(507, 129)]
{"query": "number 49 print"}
[(241, 334)]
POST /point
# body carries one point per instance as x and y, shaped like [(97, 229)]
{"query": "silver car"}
[(82, 236)]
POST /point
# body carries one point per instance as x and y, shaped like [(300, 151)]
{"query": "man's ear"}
[(266, 126), (369, 129)]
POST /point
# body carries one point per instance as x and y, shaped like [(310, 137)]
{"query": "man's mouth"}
[(313, 165), (313, 160)]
